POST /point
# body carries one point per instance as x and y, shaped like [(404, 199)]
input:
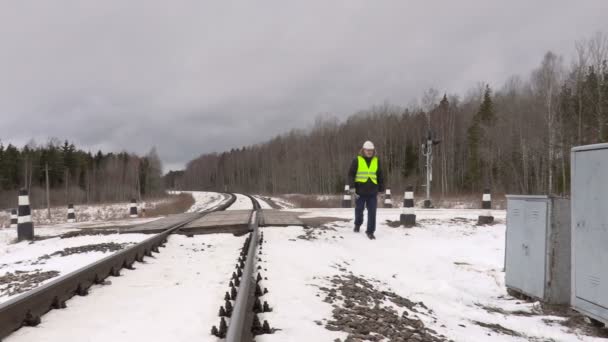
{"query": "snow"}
[(24, 256), (447, 262), (281, 202), (453, 267), (242, 203), (84, 213), (205, 200), (263, 203), (8, 236), (328, 197), (278, 201), (174, 296), (110, 213)]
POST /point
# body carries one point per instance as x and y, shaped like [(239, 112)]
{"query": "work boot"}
[(356, 230), (370, 236)]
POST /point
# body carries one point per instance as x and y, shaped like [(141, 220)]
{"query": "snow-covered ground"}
[(242, 202), (57, 256), (9, 235), (174, 296), (205, 200), (84, 213), (26, 265), (20, 262), (284, 204), (279, 202), (448, 263), (263, 202)]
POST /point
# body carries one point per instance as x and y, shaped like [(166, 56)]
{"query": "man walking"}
[(366, 180)]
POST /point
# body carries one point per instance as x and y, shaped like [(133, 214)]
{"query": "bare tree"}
[(546, 81)]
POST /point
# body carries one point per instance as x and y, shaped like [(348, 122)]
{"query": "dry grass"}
[(171, 204), (176, 204), (467, 201), (451, 201), (313, 201)]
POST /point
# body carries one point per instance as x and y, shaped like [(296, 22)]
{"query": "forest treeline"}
[(512, 138), (76, 176)]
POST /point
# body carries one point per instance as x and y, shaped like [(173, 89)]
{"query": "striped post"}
[(133, 208), (388, 202), (346, 201), (486, 204), (408, 217), (486, 200), (13, 218), (71, 214), (25, 226)]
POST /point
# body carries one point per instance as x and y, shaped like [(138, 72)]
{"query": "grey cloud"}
[(191, 77)]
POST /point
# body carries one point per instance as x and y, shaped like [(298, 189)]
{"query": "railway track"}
[(239, 321), (28, 308)]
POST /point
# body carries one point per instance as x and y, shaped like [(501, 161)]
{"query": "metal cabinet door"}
[(534, 247), (590, 224), (514, 258)]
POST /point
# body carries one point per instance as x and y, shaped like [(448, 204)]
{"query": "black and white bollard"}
[(486, 199), (71, 214), (408, 197), (25, 226), (408, 217), (14, 218), (486, 204), (346, 201), (133, 208), (388, 202)]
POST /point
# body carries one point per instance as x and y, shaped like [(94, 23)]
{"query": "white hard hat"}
[(368, 145)]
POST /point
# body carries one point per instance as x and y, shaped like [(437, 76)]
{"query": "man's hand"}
[(353, 192)]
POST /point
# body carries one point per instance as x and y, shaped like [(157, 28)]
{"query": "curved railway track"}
[(28, 308)]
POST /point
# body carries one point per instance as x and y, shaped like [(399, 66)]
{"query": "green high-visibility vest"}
[(364, 172)]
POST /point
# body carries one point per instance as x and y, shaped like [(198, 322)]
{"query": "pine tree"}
[(604, 91), (486, 110), (411, 160), (11, 171), (444, 104), (473, 160)]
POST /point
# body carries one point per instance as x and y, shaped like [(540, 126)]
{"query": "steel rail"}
[(27, 308), (241, 319)]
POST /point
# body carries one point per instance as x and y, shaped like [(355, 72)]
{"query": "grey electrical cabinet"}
[(589, 166), (537, 253)]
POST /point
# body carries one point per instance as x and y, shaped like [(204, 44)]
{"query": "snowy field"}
[(445, 275), (448, 263), (84, 213), (174, 296), (26, 265)]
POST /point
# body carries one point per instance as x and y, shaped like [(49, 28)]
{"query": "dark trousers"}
[(371, 202)]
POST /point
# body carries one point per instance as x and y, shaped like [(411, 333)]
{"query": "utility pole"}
[(48, 196), (427, 151)]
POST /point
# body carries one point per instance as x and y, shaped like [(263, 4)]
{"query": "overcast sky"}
[(198, 76)]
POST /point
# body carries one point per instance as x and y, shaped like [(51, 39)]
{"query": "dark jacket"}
[(367, 188)]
